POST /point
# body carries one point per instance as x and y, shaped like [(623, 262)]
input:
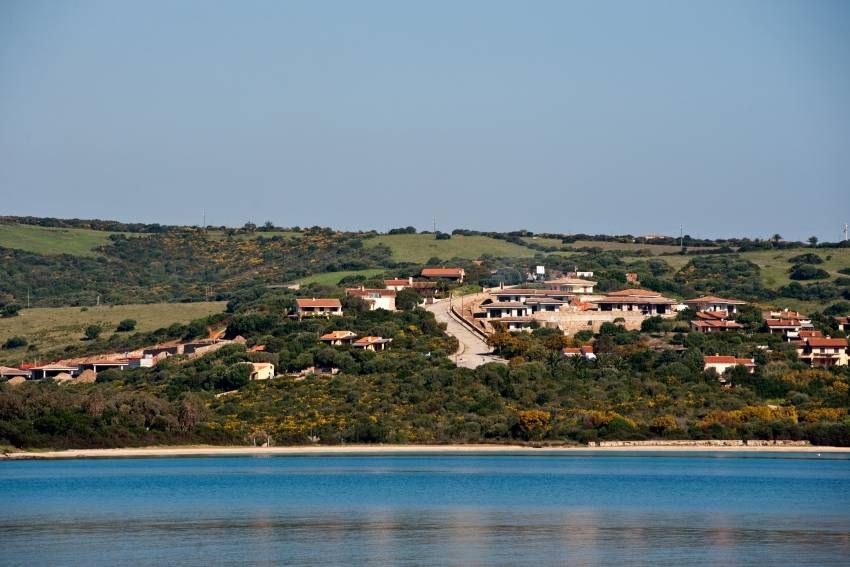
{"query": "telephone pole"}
[(844, 230)]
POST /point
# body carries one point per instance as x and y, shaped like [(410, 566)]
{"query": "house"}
[(437, 273), (7, 372), (539, 304), (326, 307), (823, 352), (376, 298), (713, 303), (721, 364), (499, 309), (713, 322), (372, 343), (789, 328), (586, 352), (524, 294), (261, 370), (98, 364), (339, 338), (843, 323), (398, 284), (571, 285), (645, 301), (52, 370), (166, 349)]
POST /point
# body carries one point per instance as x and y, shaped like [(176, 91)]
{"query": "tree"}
[(775, 239), (407, 299), (126, 325), (813, 240), (192, 411), (92, 332)]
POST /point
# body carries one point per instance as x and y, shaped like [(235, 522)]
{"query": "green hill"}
[(419, 248), (49, 241)]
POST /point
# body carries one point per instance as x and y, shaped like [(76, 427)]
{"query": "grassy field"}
[(51, 328), (332, 278), (774, 264), (419, 248), (43, 240)]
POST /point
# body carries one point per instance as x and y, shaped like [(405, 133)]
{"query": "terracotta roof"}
[(639, 299), (717, 324), (712, 315), (570, 281), (783, 322), (842, 320), (586, 349), (634, 291), (325, 303), (437, 272), (718, 359), (53, 367), (714, 299), (810, 334), (336, 335), (397, 281), (819, 342), (366, 341)]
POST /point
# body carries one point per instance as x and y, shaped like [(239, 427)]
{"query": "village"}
[(569, 303)]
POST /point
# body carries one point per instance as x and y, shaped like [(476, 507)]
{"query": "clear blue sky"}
[(730, 117)]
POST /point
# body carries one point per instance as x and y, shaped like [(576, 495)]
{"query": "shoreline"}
[(386, 450)]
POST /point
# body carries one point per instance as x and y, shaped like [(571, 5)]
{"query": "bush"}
[(407, 299), (126, 326), (92, 332), (10, 310), (808, 272), (15, 342), (807, 258)]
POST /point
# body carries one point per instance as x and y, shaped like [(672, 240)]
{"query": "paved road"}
[(473, 351)]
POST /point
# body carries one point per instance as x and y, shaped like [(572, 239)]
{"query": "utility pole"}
[(28, 298), (682, 237), (204, 218), (844, 229), (435, 226)]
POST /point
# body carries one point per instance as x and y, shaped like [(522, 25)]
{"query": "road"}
[(473, 350)]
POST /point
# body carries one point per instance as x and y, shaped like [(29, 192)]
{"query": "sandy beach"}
[(219, 451)]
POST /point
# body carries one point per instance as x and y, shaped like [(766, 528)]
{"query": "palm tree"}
[(775, 239), (813, 240)]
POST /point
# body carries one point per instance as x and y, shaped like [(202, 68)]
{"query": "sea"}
[(459, 509)]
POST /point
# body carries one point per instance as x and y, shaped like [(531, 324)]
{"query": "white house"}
[(376, 298), (571, 285), (713, 303)]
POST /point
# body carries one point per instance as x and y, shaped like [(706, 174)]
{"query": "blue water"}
[(707, 509)]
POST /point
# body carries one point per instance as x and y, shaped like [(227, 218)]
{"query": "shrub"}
[(9, 310), (92, 332), (807, 258), (15, 342), (126, 326), (808, 272)]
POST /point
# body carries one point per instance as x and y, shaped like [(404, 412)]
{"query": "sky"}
[(730, 118)]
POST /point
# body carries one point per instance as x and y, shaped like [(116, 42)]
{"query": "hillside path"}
[(473, 350)]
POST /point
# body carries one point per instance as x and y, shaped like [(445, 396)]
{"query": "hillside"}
[(419, 248), (52, 329), (49, 241)]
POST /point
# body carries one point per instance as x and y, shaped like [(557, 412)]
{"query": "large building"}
[(646, 302), (305, 307), (713, 303)]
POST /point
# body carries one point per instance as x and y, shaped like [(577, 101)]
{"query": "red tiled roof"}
[(842, 320), (335, 335), (717, 324), (398, 281), (810, 334), (442, 272), (712, 315), (819, 342), (321, 303), (782, 322), (366, 341), (714, 299)]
